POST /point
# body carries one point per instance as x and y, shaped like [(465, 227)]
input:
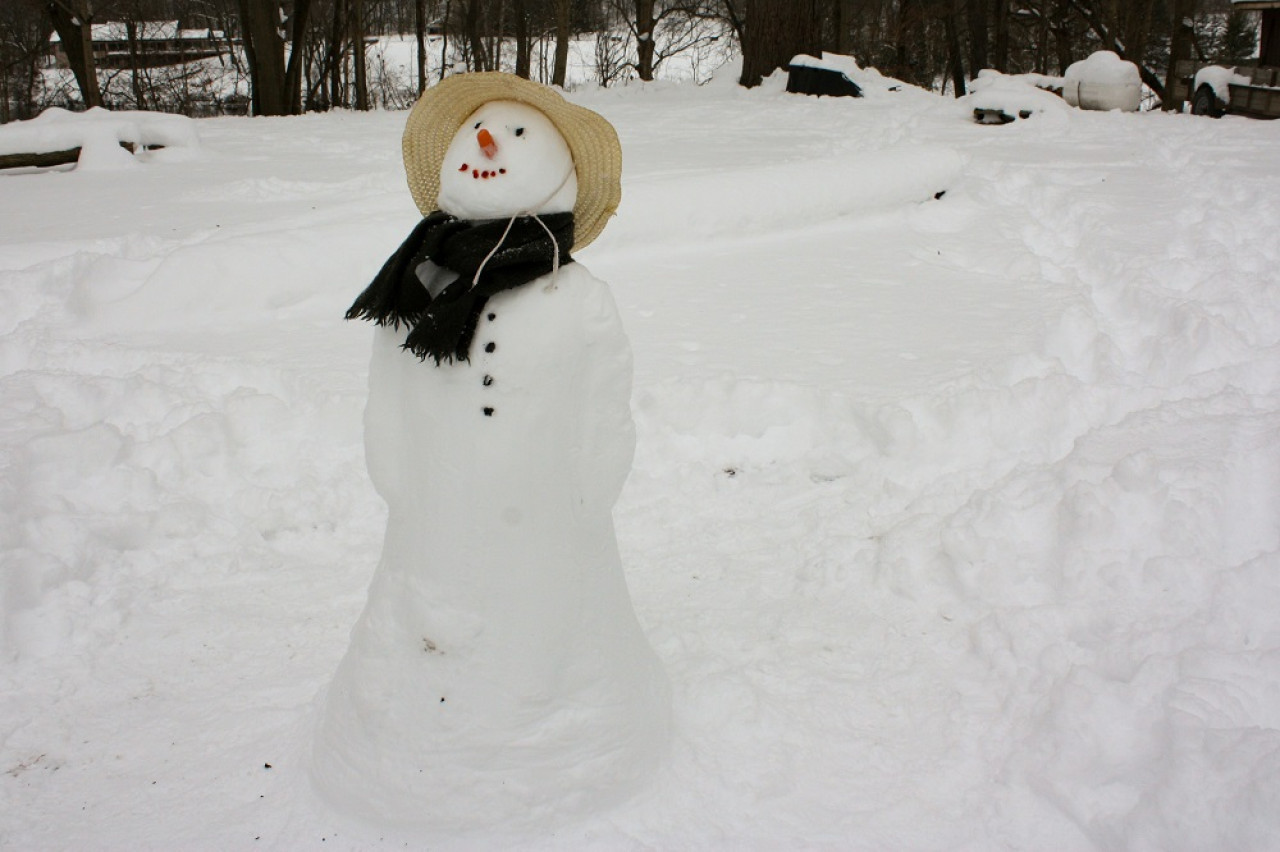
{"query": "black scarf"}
[(443, 327)]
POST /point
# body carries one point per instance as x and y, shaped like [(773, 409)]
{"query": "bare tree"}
[(562, 42), (955, 59), (297, 54), (73, 21), (1124, 30), (261, 24), (360, 67)]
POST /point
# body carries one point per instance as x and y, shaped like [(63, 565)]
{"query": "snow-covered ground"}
[(955, 523)]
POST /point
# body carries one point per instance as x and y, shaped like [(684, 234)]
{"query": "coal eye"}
[(477, 127), (519, 131)]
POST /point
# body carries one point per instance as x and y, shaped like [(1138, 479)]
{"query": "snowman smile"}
[(478, 174)]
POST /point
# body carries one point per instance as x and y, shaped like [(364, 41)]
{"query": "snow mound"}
[(1017, 96), (98, 133), (1103, 81)]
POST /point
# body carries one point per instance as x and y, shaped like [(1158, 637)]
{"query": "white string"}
[(555, 246), (475, 279)]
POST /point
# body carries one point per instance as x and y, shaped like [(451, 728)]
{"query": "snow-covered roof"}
[(147, 31)]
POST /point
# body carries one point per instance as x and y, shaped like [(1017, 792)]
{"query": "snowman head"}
[(507, 159), (543, 169)]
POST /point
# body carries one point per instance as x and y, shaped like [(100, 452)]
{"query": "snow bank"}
[(98, 134), (1103, 81)]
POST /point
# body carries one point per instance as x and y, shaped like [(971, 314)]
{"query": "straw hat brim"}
[(436, 117)]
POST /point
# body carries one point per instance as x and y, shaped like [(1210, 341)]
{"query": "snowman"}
[(498, 674)]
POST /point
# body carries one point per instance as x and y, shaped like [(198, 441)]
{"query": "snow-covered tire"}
[(1205, 102)]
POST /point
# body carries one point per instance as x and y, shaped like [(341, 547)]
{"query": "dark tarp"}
[(806, 80)]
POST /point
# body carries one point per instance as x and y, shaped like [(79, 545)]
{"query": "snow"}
[(119, 31), (1014, 94), (953, 523), (98, 133), (1219, 79), (1103, 66), (1103, 81)]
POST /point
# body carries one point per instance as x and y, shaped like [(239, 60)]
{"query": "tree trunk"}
[(74, 25), (774, 32), (904, 49), (978, 35), (131, 33), (1000, 42), (562, 43), (476, 60), (644, 39), (297, 52), (524, 44), (1180, 43), (265, 51), (360, 67), (444, 38), (420, 33), (1060, 30), (337, 50), (955, 61)]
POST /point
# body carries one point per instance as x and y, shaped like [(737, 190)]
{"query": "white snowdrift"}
[(795, 194)]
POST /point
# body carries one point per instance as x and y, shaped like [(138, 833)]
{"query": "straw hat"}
[(443, 108)]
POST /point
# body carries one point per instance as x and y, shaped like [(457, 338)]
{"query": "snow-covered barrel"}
[(1104, 81)]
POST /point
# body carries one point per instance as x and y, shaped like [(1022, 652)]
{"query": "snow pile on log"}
[(100, 135), (1015, 95)]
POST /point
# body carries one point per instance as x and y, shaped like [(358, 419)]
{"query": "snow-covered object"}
[(1103, 81), (869, 80), (1017, 96), (498, 671), (97, 133), (1219, 79)]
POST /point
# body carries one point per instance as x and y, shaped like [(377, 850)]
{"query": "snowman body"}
[(498, 672)]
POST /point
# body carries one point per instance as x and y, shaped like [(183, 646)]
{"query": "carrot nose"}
[(487, 144)]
